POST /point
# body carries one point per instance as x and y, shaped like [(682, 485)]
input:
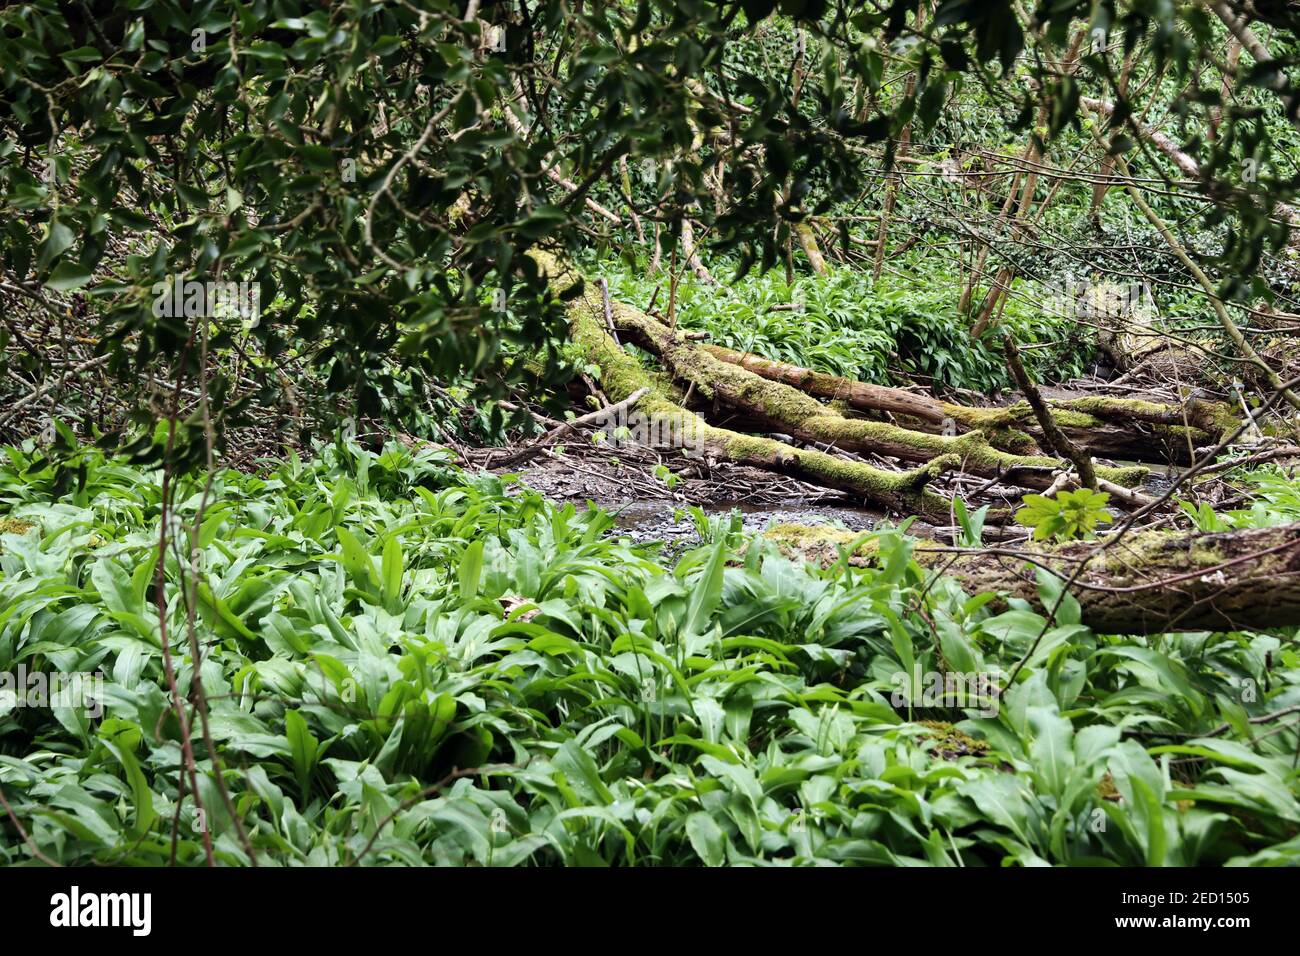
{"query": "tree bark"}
[(692, 256), (1104, 427), (813, 252), (790, 411)]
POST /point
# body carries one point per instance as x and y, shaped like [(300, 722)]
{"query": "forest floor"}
[(654, 507), (650, 489)]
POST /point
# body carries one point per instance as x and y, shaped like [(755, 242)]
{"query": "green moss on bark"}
[(798, 413), (621, 374)]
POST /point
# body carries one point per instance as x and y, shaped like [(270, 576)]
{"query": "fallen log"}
[(792, 412), (1151, 582), (622, 375), (1103, 426), (1148, 355)]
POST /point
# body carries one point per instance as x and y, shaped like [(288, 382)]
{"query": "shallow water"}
[(647, 520)]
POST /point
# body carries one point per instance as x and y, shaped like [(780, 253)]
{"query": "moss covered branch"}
[(622, 375), (1103, 426), (1150, 582), (792, 411)]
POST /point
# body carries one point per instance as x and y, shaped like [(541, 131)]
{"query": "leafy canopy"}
[(378, 168)]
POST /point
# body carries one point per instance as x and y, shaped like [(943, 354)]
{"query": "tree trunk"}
[(622, 375), (692, 256), (1149, 583), (1104, 427), (808, 242)]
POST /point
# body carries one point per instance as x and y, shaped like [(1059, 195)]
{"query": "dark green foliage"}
[(355, 161)]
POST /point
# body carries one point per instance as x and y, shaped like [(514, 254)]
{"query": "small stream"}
[(644, 520), (648, 520)]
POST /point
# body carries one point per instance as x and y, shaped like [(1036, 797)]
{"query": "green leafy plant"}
[(667, 476), (1068, 516), (409, 664), (972, 525), (848, 325)]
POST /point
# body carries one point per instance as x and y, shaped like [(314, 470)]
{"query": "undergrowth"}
[(846, 325), (405, 663)]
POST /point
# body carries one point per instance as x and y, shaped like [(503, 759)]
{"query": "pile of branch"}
[(1002, 444)]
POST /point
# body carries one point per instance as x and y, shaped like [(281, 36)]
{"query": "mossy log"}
[(1104, 427), (793, 412), (1146, 355), (1148, 583), (622, 375)]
